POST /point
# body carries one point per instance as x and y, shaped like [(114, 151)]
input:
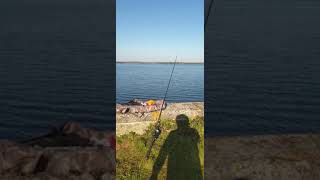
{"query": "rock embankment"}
[(134, 123), (72, 153), (265, 157)]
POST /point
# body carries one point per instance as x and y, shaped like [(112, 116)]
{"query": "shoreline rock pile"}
[(72, 153), (129, 122)]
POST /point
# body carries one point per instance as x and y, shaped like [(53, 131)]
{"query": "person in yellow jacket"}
[(150, 102)]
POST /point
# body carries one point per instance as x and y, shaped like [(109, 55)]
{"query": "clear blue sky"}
[(158, 30)]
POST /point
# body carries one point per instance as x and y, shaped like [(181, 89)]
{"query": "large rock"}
[(78, 160), (16, 158), (93, 136)]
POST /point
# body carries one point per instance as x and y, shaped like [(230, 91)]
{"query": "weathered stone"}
[(108, 176), (71, 127), (281, 157), (28, 167), (100, 161), (95, 137), (59, 164), (62, 162), (18, 158), (86, 177)]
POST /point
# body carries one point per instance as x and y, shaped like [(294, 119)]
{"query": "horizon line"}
[(156, 62)]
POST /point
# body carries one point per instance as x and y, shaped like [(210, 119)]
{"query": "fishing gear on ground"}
[(137, 106)]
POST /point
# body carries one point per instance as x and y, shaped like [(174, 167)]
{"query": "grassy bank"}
[(132, 149)]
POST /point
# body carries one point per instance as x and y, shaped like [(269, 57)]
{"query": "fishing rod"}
[(157, 130), (207, 17)]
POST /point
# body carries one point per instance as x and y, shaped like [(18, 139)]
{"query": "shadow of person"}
[(181, 149)]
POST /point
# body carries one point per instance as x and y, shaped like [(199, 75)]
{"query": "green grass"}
[(132, 149)]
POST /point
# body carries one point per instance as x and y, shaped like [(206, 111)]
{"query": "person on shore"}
[(181, 150)]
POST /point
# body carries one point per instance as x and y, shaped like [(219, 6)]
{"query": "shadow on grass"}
[(181, 150)]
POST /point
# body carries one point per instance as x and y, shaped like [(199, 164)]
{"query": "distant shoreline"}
[(141, 62)]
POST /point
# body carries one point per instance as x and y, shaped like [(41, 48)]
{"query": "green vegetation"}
[(132, 149)]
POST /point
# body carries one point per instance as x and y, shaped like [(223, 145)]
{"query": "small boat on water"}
[(139, 106)]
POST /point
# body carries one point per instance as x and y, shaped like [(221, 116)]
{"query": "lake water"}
[(149, 81), (262, 68), (57, 64)]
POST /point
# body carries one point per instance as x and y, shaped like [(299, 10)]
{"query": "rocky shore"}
[(134, 123), (72, 152), (68, 153), (264, 157)]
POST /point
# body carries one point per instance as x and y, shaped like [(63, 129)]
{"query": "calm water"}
[(263, 58), (150, 81), (57, 64)]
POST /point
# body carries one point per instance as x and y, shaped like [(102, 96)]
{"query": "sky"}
[(160, 30)]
